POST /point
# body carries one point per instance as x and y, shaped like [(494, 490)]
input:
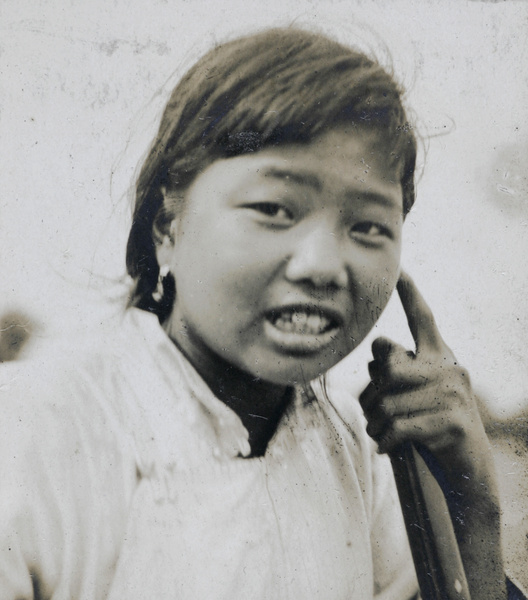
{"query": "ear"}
[(165, 247)]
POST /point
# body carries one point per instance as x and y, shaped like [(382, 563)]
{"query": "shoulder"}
[(53, 413), (63, 465), (55, 383), (68, 394), (69, 373), (105, 393)]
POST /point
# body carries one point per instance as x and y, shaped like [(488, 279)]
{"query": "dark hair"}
[(276, 87)]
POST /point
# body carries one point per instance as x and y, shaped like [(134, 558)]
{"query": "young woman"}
[(198, 452)]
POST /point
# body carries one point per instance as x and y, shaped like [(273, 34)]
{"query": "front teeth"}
[(302, 322)]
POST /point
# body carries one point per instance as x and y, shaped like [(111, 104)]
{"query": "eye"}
[(369, 230), (275, 213)]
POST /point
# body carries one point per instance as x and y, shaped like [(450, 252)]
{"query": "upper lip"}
[(336, 317)]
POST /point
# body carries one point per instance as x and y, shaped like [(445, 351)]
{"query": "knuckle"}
[(398, 363), (456, 432), (368, 395), (387, 408), (460, 372), (374, 369), (398, 427), (378, 429)]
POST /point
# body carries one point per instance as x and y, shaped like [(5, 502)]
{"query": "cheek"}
[(219, 280), (378, 279), (379, 295)]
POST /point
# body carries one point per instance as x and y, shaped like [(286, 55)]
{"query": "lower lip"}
[(299, 343)]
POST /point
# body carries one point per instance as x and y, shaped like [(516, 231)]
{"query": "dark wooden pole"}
[(430, 531)]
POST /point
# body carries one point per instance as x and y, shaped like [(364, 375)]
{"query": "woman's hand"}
[(426, 397)]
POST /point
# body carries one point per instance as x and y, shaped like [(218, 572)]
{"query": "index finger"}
[(419, 316)]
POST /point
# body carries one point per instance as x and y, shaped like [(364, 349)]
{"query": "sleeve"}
[(58, 481), (31, 524)]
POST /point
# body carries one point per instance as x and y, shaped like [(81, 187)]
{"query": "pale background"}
[(82, 86)]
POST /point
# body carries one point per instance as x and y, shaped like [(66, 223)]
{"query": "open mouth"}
[(303, 320)]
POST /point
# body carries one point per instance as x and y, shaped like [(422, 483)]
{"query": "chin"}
[(295, 371)]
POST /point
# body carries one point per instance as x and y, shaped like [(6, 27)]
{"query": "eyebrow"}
[(311, 180), (300, 178), (386, 201)]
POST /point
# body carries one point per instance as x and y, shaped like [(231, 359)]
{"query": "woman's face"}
[(284, 259)]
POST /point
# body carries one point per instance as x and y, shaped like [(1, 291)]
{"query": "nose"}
[(318, 258)]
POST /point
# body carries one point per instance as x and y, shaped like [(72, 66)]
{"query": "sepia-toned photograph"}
[(263, 311)]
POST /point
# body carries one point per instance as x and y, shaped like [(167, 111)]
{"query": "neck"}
[(259, 404)]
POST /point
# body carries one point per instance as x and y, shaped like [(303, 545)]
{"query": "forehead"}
[(341, 161), (341, 165)]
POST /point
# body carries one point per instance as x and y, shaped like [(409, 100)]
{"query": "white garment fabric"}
[(123, 476)]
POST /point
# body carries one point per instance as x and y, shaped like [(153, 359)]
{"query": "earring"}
[(157, 294)]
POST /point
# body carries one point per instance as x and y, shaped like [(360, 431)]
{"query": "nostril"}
[(327, 280)]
